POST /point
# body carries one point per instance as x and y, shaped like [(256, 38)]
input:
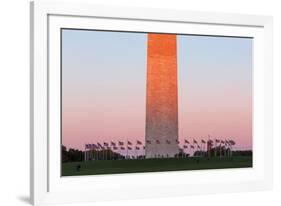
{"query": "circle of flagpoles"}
[(135, 149)]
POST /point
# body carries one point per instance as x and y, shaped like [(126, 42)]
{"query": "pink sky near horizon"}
[(195, 121), (104, 99)]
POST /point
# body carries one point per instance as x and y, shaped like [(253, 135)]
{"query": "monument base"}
[(161, 151)]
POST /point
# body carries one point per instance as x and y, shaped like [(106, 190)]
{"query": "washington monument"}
[(161, 129)]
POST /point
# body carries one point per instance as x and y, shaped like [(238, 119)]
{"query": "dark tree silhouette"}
[(72, 155)]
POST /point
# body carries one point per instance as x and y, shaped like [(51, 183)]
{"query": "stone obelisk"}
[(161, 132)]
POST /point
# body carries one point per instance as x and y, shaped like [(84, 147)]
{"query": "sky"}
[(104, 87)]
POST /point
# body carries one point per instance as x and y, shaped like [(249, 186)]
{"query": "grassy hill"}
[(152, 165)]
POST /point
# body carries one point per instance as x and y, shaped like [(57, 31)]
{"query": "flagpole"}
[(127, 150), (106, 148), (136, 152), (216, 147), (90, 154), (109, 151), (118, 151), (220, 149), (200, 149), (85, 153), (102, 153), (136, 149), (189, 147), (95, 154), (192, 149), (93, 150), (224, 150), (209, 146), (98, 152)]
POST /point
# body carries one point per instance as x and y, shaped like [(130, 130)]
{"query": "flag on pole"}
[(99, 145), (186, 141), (209, 144), (94, 146), (231, 142), (210, 141)]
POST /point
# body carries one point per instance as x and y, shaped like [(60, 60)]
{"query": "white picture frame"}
[(47, 18)]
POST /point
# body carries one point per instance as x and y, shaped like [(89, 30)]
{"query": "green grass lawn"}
[(153, 165)]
